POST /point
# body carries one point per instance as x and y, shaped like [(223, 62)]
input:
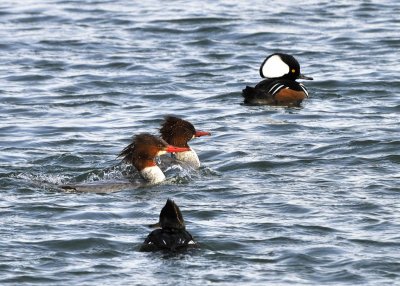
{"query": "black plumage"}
[(173, 235)]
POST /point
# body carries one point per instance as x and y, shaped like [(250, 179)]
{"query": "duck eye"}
[(293, 70)]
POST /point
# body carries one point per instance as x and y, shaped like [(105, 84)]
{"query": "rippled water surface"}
[(304, 196)]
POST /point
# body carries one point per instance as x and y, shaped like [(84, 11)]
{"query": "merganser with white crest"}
[(173, 235), (179, 132), (142, 152), (279, 86)]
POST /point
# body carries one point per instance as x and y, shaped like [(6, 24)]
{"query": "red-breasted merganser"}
[(280, 86), (143, 150), (179, 132), (173, 235)]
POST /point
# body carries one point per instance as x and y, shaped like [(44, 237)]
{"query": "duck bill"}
[(302, 76), (174, 149), (200, 133)]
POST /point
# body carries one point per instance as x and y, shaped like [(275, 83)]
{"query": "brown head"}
[(171, 216), (179, 132), (144, 148)]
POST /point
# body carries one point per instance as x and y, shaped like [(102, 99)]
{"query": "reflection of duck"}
[(179, 132), (143, 150), (172, 235), (280, 86)]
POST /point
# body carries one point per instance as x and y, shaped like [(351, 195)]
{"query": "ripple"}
[(33, 77), (284, 196)]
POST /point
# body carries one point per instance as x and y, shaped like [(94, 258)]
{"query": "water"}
[(304, 196)]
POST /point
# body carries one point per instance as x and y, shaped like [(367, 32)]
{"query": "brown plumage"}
[(142, 151), (289, 97), (176, 131)]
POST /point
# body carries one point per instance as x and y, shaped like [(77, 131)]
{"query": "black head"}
[(282, 66), (171, 216)]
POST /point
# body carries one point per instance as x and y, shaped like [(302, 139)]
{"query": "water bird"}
[(172, 235), (178, 132), (279, 86), (142, 152)]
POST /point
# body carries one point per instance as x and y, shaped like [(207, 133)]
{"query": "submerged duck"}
[(279, 86), (172, 235), (179, 132), (142, 152)]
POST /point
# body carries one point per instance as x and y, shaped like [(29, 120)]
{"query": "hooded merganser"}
[(280, 86), (179, 132), (143, 150), (172, 235)]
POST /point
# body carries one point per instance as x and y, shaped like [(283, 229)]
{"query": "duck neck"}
[(189, 157), (152, 174)]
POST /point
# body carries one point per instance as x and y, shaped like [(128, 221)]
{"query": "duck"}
[(279, 86), (178, 132), (142, 153), (172, 236)]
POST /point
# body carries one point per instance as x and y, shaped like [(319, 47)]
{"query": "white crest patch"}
[(274, 67)]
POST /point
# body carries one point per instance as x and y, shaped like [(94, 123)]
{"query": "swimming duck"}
[(279, 86), (179, 132), (172, 235), (143, 150)]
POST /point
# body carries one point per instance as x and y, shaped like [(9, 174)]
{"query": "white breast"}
[(153, 174), (189, 157)]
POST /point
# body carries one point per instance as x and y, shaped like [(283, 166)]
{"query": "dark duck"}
[(172, 236), (279, 86)]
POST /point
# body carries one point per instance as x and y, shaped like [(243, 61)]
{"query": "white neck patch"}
[(274, 67), (189, 157), (153, 174)]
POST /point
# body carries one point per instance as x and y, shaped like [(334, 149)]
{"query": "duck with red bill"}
[(179, 132), (142, 153)]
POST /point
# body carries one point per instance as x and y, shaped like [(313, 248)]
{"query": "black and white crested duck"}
[(279, 86)]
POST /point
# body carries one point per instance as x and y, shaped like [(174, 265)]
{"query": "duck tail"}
[(252, 94)]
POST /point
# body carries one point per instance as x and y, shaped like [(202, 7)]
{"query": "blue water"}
[(299, 196)]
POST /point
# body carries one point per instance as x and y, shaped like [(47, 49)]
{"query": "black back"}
[(172, 235), (272, 86), (167, 239)]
